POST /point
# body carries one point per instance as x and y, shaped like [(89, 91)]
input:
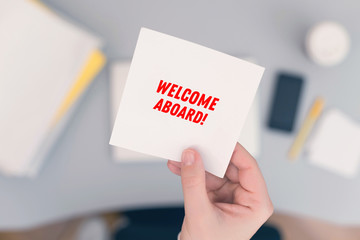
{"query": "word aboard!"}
[(186, 95)]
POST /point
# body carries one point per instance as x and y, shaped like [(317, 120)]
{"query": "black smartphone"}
[(285, 101)]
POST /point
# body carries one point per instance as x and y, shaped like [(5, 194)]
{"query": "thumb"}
[(193, 183)]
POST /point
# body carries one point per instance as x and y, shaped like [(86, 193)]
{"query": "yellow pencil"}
[(305, 129)]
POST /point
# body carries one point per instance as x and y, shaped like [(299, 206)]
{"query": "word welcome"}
[(186, 95)]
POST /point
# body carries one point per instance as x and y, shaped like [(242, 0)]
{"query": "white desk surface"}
[(80, 176)]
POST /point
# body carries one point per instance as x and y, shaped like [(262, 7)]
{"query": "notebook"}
[(45, 65), (335, 144), (68, 106)]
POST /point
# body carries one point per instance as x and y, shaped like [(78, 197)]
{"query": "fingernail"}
[(188, 157)]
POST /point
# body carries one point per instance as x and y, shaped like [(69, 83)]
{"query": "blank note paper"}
[(178, 95), (335, 145), (249, 138)]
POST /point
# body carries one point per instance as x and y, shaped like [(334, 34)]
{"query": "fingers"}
[(196, 199), (250, 176), (242, 159), (212, 182), (174, 167), (251, 180), (232, 173)]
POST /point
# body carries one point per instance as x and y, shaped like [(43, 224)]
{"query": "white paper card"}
[(118, 76), (335, 145), (249, 138), (178, 95)]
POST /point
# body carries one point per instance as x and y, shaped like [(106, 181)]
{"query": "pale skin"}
[(233, 207)]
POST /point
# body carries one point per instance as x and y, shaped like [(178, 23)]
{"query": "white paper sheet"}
[(158, 59), (335, 144), (118, 76), (249, 138), (41, 56)]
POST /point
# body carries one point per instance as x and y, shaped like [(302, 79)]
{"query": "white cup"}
[(327, 43)]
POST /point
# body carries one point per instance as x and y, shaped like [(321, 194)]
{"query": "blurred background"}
[(63, 64)]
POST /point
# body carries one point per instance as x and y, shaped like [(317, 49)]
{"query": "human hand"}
[(233, 207)]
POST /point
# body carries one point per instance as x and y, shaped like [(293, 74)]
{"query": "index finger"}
[(250, 177)]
